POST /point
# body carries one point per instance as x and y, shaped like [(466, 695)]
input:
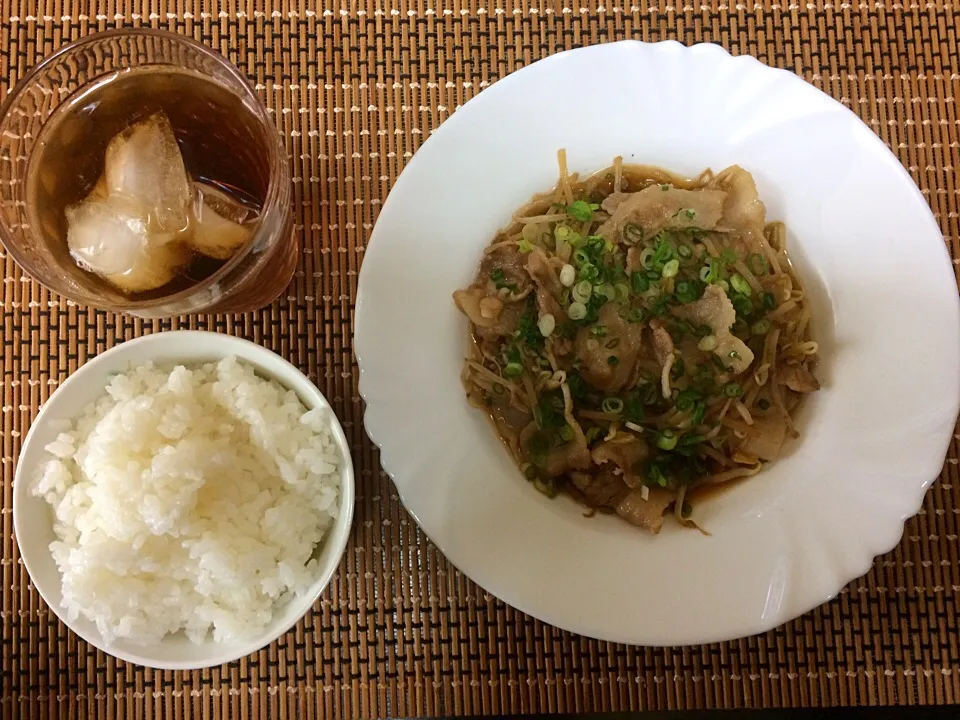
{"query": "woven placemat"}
[(355, 90)]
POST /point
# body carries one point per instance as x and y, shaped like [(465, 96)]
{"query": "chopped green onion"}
[(740, 285), (588, 272), (665, 187), (524, 245), (513, 370), (631, 315), (667, 439), (732, 390), (623, 292), (723, 284), (581, 257), (664, 251), (679, 368), (548, 487), (547, 323), (656, 476), (768, 301), (763, 404), (640, 282), (577, 311), (756, 263), (531, 472), (612, 405), (671, 268), (606, 291), (568, 275), (705, 273), (646, 257), (632, 233), (699, 410), (708, 343), (538, 419), (690, 213), (761, 327), (599, 330), (562, 232), (613, 360), (592, 434), (580, 210), (582, 291), (728, 256), (686, 291), (566, 433), (684, 252), (742, 305), (684, 402)]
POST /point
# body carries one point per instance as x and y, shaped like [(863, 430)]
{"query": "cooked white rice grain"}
[(189, 499)]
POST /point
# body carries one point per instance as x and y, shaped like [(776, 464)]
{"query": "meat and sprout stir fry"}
[(639, 336)]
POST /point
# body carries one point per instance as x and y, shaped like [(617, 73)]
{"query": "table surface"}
[(354, 90)]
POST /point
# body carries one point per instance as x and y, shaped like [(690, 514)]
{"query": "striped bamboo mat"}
[(355, 88)]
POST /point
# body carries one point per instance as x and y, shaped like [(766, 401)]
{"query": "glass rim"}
[(276, 159)]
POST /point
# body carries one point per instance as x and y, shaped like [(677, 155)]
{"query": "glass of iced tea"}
[(140, 173)]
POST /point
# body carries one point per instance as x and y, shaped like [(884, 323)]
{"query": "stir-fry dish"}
[(639, 337)]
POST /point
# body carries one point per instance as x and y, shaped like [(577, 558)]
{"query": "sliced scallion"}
[(612, 405)]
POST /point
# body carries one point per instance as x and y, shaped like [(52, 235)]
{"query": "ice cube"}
[(110, 237), (221, 225), (144, 165)]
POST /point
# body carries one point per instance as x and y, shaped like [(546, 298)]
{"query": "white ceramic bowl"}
[(886, 312), (33, 520)]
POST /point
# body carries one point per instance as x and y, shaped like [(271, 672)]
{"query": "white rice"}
[(189, 499)]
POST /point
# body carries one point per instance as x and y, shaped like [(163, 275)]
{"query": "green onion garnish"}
[(740, 285), (613, 360), (531, 472), (513, 370), (686, 291), (761, 327), (577, 311), (756, 263), (566, 433), (646, 257), (599, 330), (728, 256), (671, 268), (742, 305), (763, 404), (768, 301), (732, 390), (640, 282), (684, 252), (612, 405), (632, 233), (582, 291), (667, 439), (581, 210)]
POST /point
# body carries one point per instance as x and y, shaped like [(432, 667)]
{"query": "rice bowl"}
[(188, 574)]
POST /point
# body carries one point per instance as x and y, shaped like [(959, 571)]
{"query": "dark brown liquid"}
[(222, 143)]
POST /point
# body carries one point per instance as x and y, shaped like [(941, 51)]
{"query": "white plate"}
[(886, 314), (33, 519)]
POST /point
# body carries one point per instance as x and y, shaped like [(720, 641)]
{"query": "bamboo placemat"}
[(355, 89)]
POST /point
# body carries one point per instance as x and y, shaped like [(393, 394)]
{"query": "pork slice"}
[(647, 514), (654, 209)]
